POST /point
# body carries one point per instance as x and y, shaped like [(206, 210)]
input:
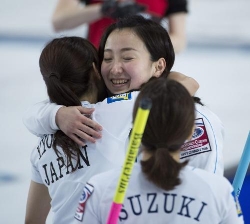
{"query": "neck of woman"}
[(90, 97)]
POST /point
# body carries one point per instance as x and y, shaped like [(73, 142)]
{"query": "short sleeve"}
[(176, 6), (35, 174), (233, 215)]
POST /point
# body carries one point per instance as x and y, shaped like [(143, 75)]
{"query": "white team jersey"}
[(205, 150), (108, 152), (202, 198)]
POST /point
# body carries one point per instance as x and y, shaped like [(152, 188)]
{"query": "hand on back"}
[(76, 124)]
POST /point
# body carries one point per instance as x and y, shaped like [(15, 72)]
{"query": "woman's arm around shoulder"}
[(39, 118), (188, 82), (46, 118)]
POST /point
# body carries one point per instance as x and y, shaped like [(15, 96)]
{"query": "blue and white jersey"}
[(201, 197), (54, 171), (204, 150)]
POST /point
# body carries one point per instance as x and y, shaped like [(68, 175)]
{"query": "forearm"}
[(188, 82), (177, 31), (39, 119), (179, 43), (70, 14)]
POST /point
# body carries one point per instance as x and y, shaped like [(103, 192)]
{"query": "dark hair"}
[(153, 35), (66, 65), (169, 124), (198, 100)]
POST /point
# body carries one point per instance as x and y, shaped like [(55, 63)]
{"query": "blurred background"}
[(217, 56)]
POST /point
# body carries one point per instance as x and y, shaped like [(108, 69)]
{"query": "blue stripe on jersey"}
[(214, 139)]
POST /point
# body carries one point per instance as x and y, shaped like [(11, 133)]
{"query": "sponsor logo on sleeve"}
[(199, 142), (124, 96), (87, 191)]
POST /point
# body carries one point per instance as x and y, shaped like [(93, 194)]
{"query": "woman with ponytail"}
[(69, 69), (162, 189), (60, 167)]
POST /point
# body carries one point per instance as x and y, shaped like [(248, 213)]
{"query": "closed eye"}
[(107, 59), (128, 59)]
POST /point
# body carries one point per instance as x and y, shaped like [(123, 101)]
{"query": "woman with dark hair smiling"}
[(162, 189), (133, 50)]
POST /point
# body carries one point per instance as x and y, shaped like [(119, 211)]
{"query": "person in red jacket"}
[(70, 14)]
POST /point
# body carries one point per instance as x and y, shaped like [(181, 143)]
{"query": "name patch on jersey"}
[(124, 96), (199, 142), (87, 191)]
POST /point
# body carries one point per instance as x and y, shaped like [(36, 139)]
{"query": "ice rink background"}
[(217, 56)]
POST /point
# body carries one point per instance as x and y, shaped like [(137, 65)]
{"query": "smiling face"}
[(126, 64)]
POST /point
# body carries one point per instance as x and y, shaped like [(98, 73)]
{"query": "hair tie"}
[(169, 147), (161, 145), (53, 74)]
